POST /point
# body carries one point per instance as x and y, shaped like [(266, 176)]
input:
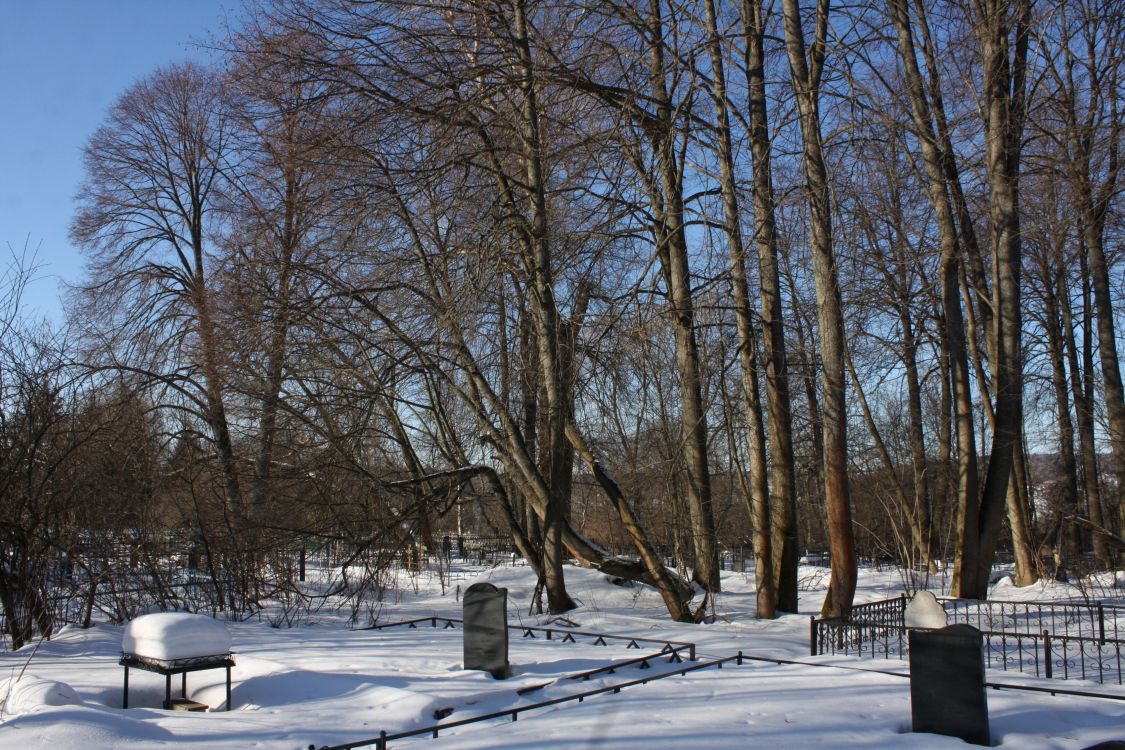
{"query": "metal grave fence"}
[(1061, 640)]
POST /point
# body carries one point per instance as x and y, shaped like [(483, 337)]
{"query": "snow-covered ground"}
[(321, 683)]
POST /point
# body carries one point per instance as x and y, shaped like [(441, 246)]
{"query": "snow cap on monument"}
[(925, 611), (175, 635)]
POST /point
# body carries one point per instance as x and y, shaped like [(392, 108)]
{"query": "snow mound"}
[(925, 611), (175, 635), (32, 693)]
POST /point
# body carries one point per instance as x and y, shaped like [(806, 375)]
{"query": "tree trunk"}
[(1066, 503), (545, 314), (673, 591), (216, 408), (806, 85), (953, 325), (672, 251), (747, 340), (1019, 518), (1082, 388), (1004, 115), (1094, 219), (783, 510)]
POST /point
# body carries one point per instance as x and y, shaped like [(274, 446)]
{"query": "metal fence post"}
[(1101, 624), (1047, 653), (812, 636)]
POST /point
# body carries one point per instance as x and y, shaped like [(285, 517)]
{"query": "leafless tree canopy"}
[(647, 285)]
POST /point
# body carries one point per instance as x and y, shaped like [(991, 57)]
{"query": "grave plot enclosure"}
[(176, 643), (1060, 640)]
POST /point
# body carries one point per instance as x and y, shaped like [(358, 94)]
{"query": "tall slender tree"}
[(806, 65)]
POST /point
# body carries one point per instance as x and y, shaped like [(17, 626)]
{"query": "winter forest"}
[(627, 282)]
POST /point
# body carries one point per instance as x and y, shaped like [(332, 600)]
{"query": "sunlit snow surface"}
[(322, 683)]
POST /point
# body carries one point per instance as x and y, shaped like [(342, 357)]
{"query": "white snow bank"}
[(925, 611), (175, 635), (31, 693)]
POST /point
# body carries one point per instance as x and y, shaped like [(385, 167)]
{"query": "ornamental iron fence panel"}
[(1063, 640)]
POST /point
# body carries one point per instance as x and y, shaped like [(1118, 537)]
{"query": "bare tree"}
[(759, 501), (1083, 58), (1002, 33), (147, 222), (783, 503), (806, 64)]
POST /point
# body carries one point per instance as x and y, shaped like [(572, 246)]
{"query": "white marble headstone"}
[(925, 611)]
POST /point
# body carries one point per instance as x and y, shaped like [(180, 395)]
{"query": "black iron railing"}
[(1078, 619), (564, 635), (382, 742), (1065, 640)]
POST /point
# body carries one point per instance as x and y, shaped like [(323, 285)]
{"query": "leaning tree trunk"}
[(941, 181), (676, 595)]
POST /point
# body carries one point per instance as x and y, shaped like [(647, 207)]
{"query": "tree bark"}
[(672, 251), (805, 71), (783, 482), (545, 314), (1004, 115), (766, 585)]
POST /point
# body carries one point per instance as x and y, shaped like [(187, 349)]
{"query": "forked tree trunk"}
[(805, 73), (783, 482), (1082, 387), (672, 251), (545, 314), (766, 585), (1004, 116)]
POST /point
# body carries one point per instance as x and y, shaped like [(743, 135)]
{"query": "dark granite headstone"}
[(947, 694), (486, 629)]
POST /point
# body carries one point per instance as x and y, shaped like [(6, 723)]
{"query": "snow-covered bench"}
[(171, 643)]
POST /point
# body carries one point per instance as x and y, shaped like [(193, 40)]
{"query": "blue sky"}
[(62, 65)]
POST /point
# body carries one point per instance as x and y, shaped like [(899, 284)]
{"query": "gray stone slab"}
[(947, 693), (486, 629)]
